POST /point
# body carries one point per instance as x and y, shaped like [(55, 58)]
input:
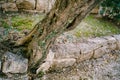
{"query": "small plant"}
[(41, 74), (110, 9)]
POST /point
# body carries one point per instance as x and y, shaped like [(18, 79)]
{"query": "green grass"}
[(89, 27), (25, 22), (20, 22), (95, 27)]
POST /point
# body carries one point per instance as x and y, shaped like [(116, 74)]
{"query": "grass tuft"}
[(95, 27), (21, 21)]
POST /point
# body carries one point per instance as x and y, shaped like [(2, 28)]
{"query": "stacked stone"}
[(26, 5), (70, 53)]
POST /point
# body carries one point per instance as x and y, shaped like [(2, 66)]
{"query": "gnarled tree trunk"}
[(64, 16)]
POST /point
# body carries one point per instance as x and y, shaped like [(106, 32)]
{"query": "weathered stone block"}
[(86, 51), (51, 4), (98, 41), (112, 44), (14, 64), (61, 63), (85, 56), (86, 47), (25, 4), (117, 37), (69, 50), (101, 51), (9, 7), (80, 51), (44, 5)]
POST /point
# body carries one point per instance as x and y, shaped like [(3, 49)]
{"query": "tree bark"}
[(64, 16)]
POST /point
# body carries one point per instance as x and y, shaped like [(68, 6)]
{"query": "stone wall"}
[(61, 56), (26, 5), (69, 53), (30, 5)]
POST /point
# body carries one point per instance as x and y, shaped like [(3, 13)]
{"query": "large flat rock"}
[(9, 7), (13, 63), (117, 37), (25, 4)]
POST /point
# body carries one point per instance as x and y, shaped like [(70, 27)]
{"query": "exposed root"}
[(27, 38), (23, 40), (48, 63)]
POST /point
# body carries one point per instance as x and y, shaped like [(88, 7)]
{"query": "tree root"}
[(48, 63), (27, 38)]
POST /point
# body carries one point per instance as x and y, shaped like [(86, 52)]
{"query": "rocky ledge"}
[(73, 58)]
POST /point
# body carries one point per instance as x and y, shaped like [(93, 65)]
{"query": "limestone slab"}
[(13, 63)]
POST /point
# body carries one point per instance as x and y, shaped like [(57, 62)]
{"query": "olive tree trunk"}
[(64, 16)]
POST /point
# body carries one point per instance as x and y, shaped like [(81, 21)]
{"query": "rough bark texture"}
[(65, 15)]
